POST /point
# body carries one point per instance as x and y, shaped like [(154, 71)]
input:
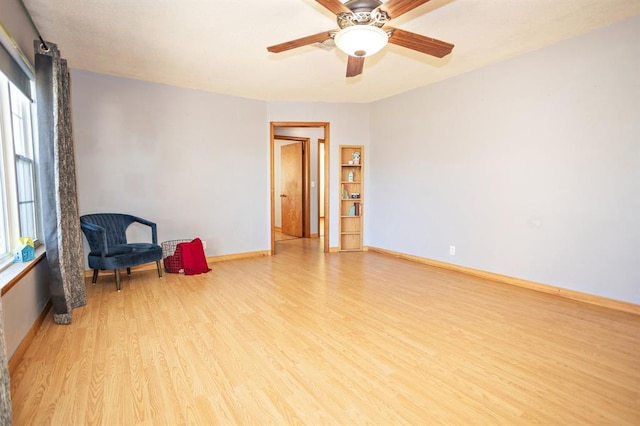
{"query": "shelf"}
[(346, 181), (352, 165)]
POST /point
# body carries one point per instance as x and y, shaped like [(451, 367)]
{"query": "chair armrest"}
[(154, 227), (102, 236)]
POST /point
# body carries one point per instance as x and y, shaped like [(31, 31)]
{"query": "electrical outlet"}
[(452, 250)]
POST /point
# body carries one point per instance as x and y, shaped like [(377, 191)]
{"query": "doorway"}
[(321, 187), (292, 179), (279, 130)]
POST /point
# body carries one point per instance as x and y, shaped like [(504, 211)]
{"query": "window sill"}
[(12, 274)]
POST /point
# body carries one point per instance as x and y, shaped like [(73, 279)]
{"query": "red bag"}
[(193, 259)]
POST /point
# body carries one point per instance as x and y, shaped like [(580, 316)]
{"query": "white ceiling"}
[(220, 45)]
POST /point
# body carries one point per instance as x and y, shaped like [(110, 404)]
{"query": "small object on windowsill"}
[(25, 252)]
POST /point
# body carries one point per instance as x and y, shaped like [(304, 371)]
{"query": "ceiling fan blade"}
[(355, 65), (395, 8), (335, 6), (316, 38), (420, 43)]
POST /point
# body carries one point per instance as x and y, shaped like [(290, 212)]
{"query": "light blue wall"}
[(195, 163), (23, 304), (530, 167)]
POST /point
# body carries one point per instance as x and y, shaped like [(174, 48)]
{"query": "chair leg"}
[(159, 269), (117, 279), (129, 271), (95, 276)]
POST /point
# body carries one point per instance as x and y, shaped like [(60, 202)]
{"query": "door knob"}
[(283, 195)]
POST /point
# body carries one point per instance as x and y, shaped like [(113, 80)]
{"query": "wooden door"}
[(291, 194)]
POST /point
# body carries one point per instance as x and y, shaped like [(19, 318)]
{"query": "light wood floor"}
[(311, 338), (279, 236)]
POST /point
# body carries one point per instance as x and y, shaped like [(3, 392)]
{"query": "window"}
[(4, 224), (18, 198), (25, 174)]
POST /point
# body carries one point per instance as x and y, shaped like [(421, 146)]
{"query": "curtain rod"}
[(43, 44), (12, 45)]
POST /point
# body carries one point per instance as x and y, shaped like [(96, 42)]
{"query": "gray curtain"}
[(60, 217), (5, 388)]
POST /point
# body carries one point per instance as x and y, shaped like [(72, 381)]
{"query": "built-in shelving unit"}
[(351, 197)]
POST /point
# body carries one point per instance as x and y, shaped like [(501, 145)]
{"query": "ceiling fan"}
[(363, 32)]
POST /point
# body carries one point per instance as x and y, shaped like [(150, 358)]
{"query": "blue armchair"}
[(107, 237)]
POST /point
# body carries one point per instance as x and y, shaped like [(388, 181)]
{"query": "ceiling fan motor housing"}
[(363, 12)]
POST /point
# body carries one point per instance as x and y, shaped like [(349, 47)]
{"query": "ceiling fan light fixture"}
[(361, 40)]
